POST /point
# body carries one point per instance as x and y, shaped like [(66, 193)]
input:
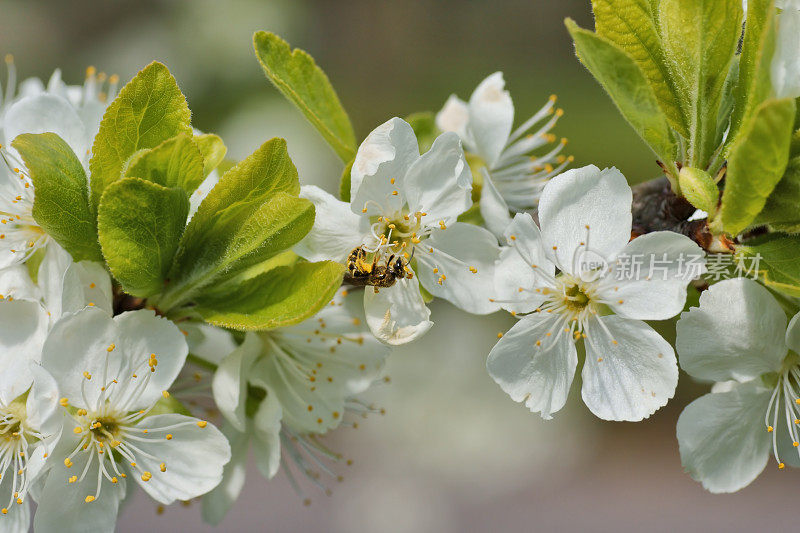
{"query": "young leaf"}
[(755, 60), (699, 188), (252, 214), (777, 261), (700, 39), (295, 74), (626, 84), (756, 163), (631, 25), (782, 210), (212, 149), (149, 110), (140, 224), (174, 163), (280, 297), (61, 194)]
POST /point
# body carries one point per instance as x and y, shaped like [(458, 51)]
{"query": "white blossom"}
[(738, 337), (112, 372), (407, 205), (311, 374), (570, 281), (74, 114), (513, 177)]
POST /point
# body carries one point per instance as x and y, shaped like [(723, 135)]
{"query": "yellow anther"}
[(781, 466), (64, 402), (395, 193), (77, 430), (89, 499), (90, 71), (202, 424), (500, 335), (146, 476), (770, 429), (473, 270), (163, 467), (114, 480), (73, 479), (81, 412), (68, 462), (87, 375), (165, 394), (111, 347)]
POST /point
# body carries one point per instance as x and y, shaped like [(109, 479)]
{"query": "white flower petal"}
[(336, 231), (454, 116), (463, 256), (194, 458), (380, 167), (538, 374), (793, 333), (494, 209), (219, 501), (630, 370), (491, 117), (23, 328), (267, 428), (786, 59), (62, 506), (47, 113), (584, 197), (80, 343), (512, 273), (15, 380), (439, 183), (17, 283), (208, 342), (722, 440), (658, 291), (398, 314), (42, 402), (229, 384), (87, 283), (142, 333), (734, 334)]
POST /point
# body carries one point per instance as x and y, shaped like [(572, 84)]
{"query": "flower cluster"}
[(161, 318)]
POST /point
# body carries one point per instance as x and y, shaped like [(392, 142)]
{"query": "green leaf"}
[(756, 163), (777, 261), (700, 39), (344, 182), (755, 84), (212, 149), (61, 194), (250, 215), (295, 74), (149, 110), (631, 25), (782, 210), (700, 189), (625, 82), (280, 297), (174, 163), (140, 224)]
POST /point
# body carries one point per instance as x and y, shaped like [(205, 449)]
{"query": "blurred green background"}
[(453, 452)]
